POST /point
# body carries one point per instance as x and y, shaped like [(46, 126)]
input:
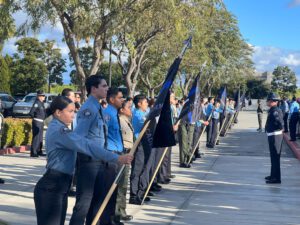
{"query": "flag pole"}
[(229, 124), (219, 132), (117, 179), (155, 173)]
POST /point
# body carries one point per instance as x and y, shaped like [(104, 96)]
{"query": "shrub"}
[(16, 132)]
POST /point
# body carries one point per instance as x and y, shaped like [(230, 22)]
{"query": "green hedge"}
[(16, 132)]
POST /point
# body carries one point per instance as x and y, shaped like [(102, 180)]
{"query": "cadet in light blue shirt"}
[(61, 147), (210, 106), (138, 118), (294, 118), (114, 138)]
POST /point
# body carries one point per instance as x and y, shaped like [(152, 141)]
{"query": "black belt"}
[(58, 174)]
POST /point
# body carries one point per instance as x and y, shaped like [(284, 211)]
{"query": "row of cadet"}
[(86, 148)]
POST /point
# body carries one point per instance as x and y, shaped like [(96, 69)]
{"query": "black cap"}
[(40, 93), (273, 97)]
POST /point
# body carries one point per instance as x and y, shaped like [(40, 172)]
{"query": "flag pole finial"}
[(187, 44)]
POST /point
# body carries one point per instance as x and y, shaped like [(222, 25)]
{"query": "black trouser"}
[(89, 191), (208, 131), (138, 178), (51, 198), (213, 132), (285, 120), (275, 143), (197, 133), (165, 169), (37, 137), (259, 117), (293, 125), (110, 172)]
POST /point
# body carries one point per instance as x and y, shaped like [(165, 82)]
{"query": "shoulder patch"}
[(106, 117), (65, 130), (36, 105), (87, 113), (275, 113)]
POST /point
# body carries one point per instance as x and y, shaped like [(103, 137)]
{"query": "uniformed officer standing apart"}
[(259, 115), (114, 144), (51, 191), (274, 130), (90, 178), (38, 114)]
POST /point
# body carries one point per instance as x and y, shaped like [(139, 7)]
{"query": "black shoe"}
[(172, 176), (41, 154), (210, 146), (126, 217), (157, 185), (182, 165), (34, 155), (268, 178), (218, 142), (151, 194), (273, 181), (197, 156), (155, 189), (164, 182), (134, 200), (147, 199), (2, 181)]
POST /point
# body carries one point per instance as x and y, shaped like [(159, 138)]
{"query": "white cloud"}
[(268, 58), (294, 3), (291, 60)]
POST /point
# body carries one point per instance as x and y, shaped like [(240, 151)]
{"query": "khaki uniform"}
[(127, 135)]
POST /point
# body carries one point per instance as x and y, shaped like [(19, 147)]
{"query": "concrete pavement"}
[(225, 187)]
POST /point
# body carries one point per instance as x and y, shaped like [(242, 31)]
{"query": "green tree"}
[(28, 75), (257, 88), (5, 75), (284, 81), (29, 71), (54, 62)]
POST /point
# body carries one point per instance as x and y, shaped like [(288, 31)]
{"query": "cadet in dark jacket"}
[(38, 115), (62, 145), (259, 115), (274, 130)]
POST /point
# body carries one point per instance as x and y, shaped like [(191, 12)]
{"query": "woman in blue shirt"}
[(62, 145)]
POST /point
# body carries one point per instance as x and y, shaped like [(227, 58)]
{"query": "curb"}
[(13, 150), (293, 145)]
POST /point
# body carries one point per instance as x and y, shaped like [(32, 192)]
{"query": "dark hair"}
[(137, 99), (59, 103), (210, 98), (129, 99), (66, 92), (294, 98), (93, 81), (112, 93)]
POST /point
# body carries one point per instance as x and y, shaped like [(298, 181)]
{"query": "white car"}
[(22, 108)]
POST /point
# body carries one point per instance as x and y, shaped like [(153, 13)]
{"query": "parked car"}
[(22, 108), (7, 103), (19, 97)]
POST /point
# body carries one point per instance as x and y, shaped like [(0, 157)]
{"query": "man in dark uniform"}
[(38, 114), (274, 130)]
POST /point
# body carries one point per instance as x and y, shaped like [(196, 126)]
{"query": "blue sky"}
[(273, 28)]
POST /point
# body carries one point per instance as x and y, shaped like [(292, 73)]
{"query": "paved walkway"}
[(225, 187)]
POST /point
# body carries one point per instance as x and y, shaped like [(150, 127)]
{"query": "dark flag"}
[(157, 108), (188, 106), (237, 100), (222, 97)]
